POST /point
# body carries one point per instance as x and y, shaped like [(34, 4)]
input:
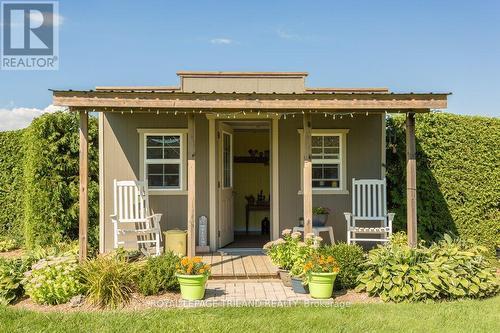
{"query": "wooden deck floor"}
[(240, 266)]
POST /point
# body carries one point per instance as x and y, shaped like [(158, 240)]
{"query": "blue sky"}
[(415, 46)]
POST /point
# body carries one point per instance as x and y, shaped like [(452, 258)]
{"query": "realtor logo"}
[(30, 35)]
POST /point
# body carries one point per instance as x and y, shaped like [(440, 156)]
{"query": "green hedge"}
[(11, 183), (458, 176), (51, 179), (39, 181)]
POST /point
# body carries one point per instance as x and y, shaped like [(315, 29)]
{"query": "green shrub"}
[(458, 176), (282, 250), (51, 180), (54, 280), (109, 280), (11, 276), (304, 251), (7, 244), (62, 249), (350, 258), (158, 274), (11, 183), (448, 269)]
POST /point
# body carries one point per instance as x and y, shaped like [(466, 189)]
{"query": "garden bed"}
[(137, 302)]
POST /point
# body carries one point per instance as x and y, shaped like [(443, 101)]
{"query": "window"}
[(163, 154), (328, 148), (227, 159), (326, 161)]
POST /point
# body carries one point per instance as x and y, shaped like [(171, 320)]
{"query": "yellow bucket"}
[(175, 241)]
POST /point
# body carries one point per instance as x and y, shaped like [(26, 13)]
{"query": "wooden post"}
[(411, 181), (84, 203), (191, 208), (307, 174)]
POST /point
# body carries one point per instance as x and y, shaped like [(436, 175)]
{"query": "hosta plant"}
[(7, 244), (11, 275), (53, 280), (448, 269)]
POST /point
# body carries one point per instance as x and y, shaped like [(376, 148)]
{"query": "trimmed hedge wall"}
[(42, 177), (11, 183), (52, 178), (458, 176)]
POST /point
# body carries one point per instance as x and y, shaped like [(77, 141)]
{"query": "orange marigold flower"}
[(196, 260), (184, 261)]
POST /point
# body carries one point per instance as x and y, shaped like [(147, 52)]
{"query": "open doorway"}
[(245, 183)]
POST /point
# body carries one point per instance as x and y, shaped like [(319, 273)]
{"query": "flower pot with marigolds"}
[(192, 275), (321, 272)]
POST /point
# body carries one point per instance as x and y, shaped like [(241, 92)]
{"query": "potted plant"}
[(320, 216), (192, 275), (304, 251), (281, 253), (320, 272)]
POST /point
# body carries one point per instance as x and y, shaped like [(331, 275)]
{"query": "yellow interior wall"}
[(249, 178)]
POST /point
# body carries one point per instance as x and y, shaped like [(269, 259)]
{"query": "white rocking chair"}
[(132, 215), (369, 205)]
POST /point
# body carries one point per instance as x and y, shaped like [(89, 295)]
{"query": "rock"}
[(77, 301)]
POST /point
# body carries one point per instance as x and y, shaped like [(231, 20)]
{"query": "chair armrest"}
[(390, 218), (155, 217), (348, 218)]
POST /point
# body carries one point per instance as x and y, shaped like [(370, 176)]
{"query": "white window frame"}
[(342, 160), (182, 132)]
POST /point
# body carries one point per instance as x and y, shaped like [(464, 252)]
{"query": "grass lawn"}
[(462, 316)]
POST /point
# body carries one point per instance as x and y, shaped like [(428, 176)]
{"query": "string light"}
[(234, 114)]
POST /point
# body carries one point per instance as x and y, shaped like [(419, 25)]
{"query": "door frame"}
[(213, 174)]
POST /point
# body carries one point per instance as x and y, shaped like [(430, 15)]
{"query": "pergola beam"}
[(84, 215), (353, 102), (411, 181)]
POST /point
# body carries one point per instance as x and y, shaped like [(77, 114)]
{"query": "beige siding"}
[(363, 161), (243, 85), (121, 161)]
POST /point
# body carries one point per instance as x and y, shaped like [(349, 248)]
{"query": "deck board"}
[(227, 266), (240, 266), (217, 264), (249, 266)]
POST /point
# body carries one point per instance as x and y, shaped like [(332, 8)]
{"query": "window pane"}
[(154, 153), (155, 181), (172, 140), (154, 140), (227, 163), (317, 141), (325, 176), (171, 169), (330, 172), (163, 175), (331, 141), (155, 169), (172, 181), (172, 153)]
